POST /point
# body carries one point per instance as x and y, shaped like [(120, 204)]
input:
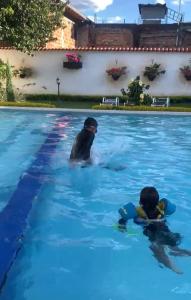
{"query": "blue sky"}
[(119, 10)]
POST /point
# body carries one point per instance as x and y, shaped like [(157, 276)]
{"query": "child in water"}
[(151, 214), (81, 149), (83, 142)]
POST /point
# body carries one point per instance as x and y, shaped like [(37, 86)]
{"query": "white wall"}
[(92, 79)]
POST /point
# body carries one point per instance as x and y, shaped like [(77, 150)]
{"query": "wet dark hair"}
[(90, 122), (149, 198)]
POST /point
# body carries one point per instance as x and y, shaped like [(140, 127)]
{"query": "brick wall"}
[(63, 37), (83, 33), (113, 36), (105, 35), (157, 36), (133, 35)]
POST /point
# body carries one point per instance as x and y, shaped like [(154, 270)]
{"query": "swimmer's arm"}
[(127, 212), (169, 207), (122, 225)]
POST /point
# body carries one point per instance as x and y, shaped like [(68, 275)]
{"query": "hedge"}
[(179, 99), (80, 98), (141, 108), (94, 98)]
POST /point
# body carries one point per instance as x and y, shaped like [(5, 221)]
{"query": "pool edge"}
[(78, 110)]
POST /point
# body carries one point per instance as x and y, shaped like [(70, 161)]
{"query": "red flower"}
[(116, 71), (73, 57)]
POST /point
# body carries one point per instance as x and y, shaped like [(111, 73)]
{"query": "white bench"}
[(110, 101), (162, 102)]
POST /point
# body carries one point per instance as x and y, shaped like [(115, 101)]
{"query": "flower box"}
[(186, 71), (152, 71), (115, 76), (187, 77), (151, 77), (23, 72), (116, 72), (72, 65)]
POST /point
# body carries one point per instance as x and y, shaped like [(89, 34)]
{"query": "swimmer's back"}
[(82, 145)]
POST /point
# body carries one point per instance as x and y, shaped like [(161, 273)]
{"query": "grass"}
[(50, 104), (142, 108)]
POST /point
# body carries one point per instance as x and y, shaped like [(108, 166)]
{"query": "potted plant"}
[(152, 71), (23, 72), (137, 92), (116, 72), (186, 71), (73, 61)]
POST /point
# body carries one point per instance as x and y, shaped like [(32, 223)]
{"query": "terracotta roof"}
[(127, 49)]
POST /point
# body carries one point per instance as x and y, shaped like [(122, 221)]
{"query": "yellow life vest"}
[(142, 214)]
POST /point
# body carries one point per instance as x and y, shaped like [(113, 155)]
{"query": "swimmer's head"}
[(149, 198), (91, 124)]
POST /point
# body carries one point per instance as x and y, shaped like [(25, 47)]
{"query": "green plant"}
[(152, 71), (136, 92), (186, 71), (3, 67), (23, 72), (9, 87)]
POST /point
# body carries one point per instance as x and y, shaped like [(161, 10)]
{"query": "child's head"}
[(149, 198), (91, 124)]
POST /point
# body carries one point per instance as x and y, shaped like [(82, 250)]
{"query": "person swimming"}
[(81, 149), (151, 214), (83, 142)]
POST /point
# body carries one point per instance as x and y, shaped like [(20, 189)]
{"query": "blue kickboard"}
[(13, 218)]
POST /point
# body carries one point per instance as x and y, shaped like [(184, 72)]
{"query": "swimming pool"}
[(71, 249)]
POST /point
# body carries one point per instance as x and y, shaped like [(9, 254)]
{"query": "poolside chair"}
[(110, 101), (161, 102)]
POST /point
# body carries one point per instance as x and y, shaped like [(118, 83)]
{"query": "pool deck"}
[(118, 112)]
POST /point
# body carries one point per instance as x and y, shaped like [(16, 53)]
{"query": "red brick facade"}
[(64, 37), (133, 35)]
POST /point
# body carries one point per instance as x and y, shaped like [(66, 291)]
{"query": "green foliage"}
[(3, 68), (63, 98), (177, 99), (136, 92), (23, 72), (9, 87), (152, 71), (186, 71), (28, 25)]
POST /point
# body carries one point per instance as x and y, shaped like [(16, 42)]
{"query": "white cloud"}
[(183, 2), (161, 1), (96, 5)]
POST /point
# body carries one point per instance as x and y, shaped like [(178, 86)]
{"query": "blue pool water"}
[(71, 249)]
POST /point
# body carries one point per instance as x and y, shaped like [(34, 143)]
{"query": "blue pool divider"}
[(13, 218)]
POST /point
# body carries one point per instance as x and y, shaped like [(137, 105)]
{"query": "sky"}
[(118, 10)]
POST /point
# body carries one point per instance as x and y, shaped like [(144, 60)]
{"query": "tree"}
[(29, 25), (9, 87)]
